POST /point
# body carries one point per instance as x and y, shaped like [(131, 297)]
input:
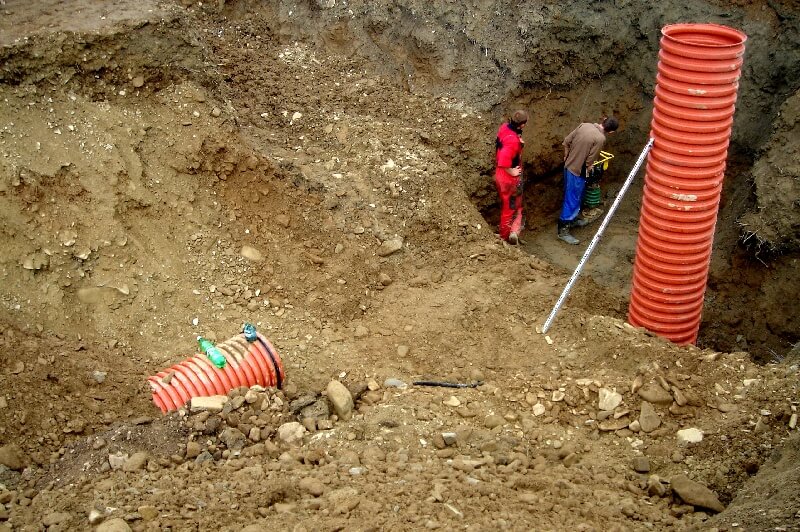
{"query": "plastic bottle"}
[(249, 331), (213, 353)]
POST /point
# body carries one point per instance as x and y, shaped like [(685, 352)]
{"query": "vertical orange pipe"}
[(698, 72)]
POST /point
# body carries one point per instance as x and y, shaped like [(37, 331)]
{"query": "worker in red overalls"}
[(508, 175)]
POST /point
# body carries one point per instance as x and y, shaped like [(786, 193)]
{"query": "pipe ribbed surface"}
[(247, 364), (695, 97)]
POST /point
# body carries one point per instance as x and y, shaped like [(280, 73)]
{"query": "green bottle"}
[(213, 353)]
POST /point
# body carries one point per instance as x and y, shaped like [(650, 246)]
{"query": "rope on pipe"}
[(597, 236)]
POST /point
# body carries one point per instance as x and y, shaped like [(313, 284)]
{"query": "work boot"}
[(563, 234), (580, 222), (513, 239)]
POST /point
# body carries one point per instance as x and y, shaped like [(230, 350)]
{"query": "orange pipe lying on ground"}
[(247, 364), (695, 99)]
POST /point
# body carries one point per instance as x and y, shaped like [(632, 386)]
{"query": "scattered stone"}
[(648, 417), (55, 518), (571, 459), (193, 449), (136, 462), (95, 516), (394, 383), (312, 486), (116, 461), (608, 399), (613, 424), (99, 376), (454, 511), (679, 396), (641, 464), (341, 399), (373, 385), (452, 401), (637, 383), (213, 403), (233, 438), (251, 396), (655, 394), (558, 396), (138, 81), (690, 435), (384, 279), (465, 412), (655, 488), (291, 432), (252, 254), (12, 457), (113, 525), (403, 350), (492, 421), (539, 409), (361, 332), (148, 513), (320, 409), (449, 438), (695, 493), (390, 246), (726, 407)]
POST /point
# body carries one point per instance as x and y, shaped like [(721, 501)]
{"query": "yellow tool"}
[(604, 158)]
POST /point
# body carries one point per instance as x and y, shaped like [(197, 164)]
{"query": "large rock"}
[(648, 418), (390, 246), (341, 399), (690, 435), (136, 462), (653, 393), (212, 403), (291, 432), (113, 525), (608, 399), (12, 457), (233, 438), (55, 518), (694, 493)]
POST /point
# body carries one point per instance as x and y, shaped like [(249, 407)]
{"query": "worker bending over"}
[(581, 149)]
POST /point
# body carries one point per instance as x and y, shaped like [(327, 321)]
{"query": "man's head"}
[(610, 124), (518, 119)]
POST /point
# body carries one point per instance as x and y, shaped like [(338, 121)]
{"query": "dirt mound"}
[(175, 170), (774, 228)]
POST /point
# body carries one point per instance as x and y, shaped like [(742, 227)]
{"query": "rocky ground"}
[(175, 169)]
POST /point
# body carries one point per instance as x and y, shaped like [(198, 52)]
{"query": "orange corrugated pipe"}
[(247, 364), (695, 98)]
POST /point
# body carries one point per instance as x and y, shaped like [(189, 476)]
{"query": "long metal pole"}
[(597, 236)]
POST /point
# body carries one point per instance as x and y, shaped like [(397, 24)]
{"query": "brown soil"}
[(172, 169)]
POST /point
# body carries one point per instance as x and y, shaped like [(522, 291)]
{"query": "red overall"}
[(509, 188)]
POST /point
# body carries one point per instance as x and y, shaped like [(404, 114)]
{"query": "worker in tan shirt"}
[(581, 149)]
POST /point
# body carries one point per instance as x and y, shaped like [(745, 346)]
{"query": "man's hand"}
[(515, 172)]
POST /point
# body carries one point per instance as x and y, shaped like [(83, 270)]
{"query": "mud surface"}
[(323, 170)]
